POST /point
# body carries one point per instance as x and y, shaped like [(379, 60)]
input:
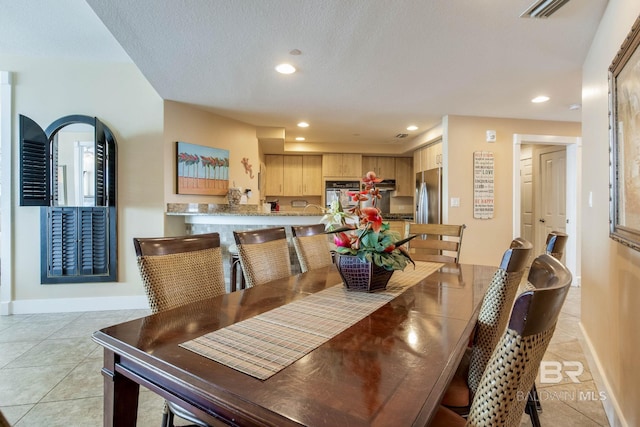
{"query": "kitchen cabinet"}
[(399, 226), (293, 175), (274, 175), (342, 166), (405, 178), (384, 167), (428, 157), (312, 175)]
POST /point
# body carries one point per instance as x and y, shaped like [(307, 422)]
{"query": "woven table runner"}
[(267, 343)]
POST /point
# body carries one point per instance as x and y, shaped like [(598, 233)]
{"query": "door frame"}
[(574, 175), (6, 205)]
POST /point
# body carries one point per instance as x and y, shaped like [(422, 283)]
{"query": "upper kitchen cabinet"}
[(312, 175), (429, 157), (293, 175), (342, 165), (274, 175), (405, 185), (384, 167)]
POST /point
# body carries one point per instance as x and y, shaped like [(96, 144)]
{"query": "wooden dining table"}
[(389, 368)]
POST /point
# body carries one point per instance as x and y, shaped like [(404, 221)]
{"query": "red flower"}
[(342, 240), (372, 215), (371, 179)]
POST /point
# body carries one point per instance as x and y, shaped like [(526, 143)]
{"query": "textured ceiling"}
[(367, 70)]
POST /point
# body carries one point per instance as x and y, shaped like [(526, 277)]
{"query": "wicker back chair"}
[(177, 271), (492, 321), (496, 307), (180, 270), (501, 396), (264, 254), (430, 245), (312, 246), (556, 241)]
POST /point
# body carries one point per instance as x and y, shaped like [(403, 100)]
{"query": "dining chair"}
[(435, 242), (312, 246), (264, 254), (176, 271), (501, 395), (3, 421), (556, 241), (492, 321)]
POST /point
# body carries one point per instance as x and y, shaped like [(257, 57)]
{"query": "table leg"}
[(120, 395)]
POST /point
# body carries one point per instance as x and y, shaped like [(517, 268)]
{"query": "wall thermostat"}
[(491, 136)]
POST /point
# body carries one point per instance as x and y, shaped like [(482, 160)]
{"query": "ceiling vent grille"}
[(543, 8)]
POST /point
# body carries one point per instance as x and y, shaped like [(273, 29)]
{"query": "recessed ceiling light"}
[(540, 98), (412, 127), (295, 52), (300, 138), (303, 125), (574, 107), (286, 69)]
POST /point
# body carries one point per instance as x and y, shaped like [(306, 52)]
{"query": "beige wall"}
[(486, 240), (610, 271), (195, 126), (47, 89)]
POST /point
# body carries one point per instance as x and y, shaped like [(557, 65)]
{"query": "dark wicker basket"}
[(361, 276)]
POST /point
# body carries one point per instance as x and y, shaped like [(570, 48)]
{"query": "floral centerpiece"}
[(361, 231)]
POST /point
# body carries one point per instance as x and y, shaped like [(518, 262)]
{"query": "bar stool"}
[(235, 269)]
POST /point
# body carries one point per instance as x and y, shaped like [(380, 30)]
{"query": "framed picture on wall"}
[(201, 170), (624, 137)]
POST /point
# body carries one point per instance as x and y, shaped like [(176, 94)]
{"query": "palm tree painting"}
[(202, 170)]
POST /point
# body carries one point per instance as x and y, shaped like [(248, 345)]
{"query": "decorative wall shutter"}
[(78, 243), (35, 164), (94, 241), (63, 240)]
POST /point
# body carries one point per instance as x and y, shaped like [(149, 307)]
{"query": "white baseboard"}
[(611, 406), (68, 305)]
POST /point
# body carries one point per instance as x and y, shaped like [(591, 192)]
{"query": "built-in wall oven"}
[(338, 190)]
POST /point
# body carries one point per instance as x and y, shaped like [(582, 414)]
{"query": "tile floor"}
[(36, 392)]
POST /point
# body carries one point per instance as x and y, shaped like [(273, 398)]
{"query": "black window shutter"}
[(94, 241), (35, 166), (101, 164), (63, 241)]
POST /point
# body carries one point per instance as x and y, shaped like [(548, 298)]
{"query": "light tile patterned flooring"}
[(50, 372)]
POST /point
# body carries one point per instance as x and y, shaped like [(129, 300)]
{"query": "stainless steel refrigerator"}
[(429, 196)]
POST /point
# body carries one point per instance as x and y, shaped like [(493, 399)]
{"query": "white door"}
[(552, 215), (527, 224)]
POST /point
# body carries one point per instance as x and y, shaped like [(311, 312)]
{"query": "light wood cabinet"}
[(405, 179), (342, 165), (312, 175), (273, 175), (397, 225), (293, 176), (384, 167), (429, 157)]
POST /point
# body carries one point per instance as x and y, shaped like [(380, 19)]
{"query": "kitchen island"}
[(224, 219)]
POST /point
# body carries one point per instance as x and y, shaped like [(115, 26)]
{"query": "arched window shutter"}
[(35, 164)]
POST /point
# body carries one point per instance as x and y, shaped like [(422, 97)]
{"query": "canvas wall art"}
[(202, 170)]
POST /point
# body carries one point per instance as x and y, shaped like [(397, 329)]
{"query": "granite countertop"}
[(255, 210), (239, 210)]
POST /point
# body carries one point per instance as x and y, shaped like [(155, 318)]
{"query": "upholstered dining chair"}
[(312, 246), (556, 241), (492, 320), (264, 254), (176, 271), (435, 242), (501, 396)]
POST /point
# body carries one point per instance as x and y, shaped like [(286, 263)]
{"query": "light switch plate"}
[(455, 202)]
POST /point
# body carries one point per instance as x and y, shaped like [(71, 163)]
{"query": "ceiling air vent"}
[(402, 135), (543, 8)]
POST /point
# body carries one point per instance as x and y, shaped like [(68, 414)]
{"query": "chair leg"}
[(532, 408), (534, 392)]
